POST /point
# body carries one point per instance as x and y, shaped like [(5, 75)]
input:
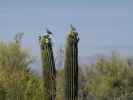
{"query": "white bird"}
[(72, 28)]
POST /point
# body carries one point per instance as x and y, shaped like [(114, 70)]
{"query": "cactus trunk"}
[(49, 71), (71, 67)]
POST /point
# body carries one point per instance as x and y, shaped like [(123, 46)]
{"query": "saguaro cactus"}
[(48, 64), (71, 66)]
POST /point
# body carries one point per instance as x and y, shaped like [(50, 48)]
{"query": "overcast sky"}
[(103, 25)]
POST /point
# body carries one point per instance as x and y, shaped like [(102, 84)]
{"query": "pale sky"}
[(103, 25)]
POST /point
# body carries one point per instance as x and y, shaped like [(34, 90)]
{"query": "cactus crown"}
[(73, 35), (45, 39)]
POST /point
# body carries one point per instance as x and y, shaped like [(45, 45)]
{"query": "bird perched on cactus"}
[(48, 64), (48, 32), (71, 66), (72, 28)]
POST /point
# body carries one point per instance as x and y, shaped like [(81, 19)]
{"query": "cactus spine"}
[(48, 64), (71, 66)]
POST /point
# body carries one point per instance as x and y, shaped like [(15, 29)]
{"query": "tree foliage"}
[(111, 79), (17, 82)]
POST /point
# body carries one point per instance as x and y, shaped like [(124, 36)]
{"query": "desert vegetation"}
[(109, 78)]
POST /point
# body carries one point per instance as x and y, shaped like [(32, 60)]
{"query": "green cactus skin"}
[(49, 71), (71, 67)]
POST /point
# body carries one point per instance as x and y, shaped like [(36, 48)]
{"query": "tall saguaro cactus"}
[(71, 66), (48, 64)]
